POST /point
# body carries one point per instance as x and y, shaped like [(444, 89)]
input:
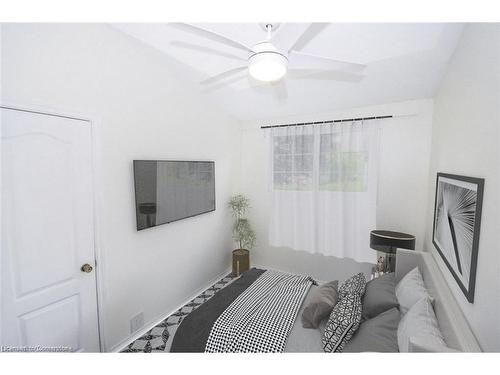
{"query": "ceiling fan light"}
[(267, 66)]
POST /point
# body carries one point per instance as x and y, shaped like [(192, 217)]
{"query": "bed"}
[(206, 328)]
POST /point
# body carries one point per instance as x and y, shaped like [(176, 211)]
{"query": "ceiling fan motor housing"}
[(267, 63)]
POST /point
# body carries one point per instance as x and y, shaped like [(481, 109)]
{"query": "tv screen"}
[(167, 191)]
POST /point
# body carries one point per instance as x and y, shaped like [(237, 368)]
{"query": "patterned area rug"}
[(158, 339)]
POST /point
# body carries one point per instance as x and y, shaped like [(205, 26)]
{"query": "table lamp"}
[(388, 242)]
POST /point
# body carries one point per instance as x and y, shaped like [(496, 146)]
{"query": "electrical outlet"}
[(136, 322)]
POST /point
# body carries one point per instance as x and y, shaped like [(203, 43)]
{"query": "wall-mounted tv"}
[(168, 190)]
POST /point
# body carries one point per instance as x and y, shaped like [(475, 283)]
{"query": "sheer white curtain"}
[(324, 188)]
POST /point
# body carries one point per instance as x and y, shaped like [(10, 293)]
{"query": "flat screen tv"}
[(168, 190)]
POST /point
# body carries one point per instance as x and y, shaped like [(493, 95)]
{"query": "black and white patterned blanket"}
[(261, 318)]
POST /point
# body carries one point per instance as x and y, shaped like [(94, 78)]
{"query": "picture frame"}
[(456, 226)]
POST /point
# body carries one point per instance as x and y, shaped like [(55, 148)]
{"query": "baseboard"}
[(124, 343)]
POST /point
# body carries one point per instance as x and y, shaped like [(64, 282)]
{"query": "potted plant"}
[(243, 233)]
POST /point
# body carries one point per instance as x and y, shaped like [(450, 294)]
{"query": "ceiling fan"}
[(271, 59)]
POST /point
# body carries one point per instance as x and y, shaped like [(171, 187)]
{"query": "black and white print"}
[(457, 216)]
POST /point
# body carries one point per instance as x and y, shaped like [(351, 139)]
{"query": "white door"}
[(47, 233)]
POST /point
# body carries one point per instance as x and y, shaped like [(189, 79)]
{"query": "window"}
[(341, 170), (293, 162), (324, 162)]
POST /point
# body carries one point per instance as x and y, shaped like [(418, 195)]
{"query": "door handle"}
[(87, 268)]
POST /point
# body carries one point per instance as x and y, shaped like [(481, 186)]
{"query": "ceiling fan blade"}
[(208, 50), (308, 35), (324, 75), (224, 83), (211, 35), (299, 60), (287, 35), (223, 75)]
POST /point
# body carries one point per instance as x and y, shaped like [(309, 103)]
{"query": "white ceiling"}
[(404, 61)]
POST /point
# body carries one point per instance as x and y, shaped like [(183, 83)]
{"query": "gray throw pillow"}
[(353, 285), (380, 296), (342, 324), (321, 304), (379, 334)]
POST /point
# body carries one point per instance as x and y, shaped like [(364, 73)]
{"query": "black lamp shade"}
[(388, 241)]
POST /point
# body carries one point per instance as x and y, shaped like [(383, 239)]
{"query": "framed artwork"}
[(457, 222)]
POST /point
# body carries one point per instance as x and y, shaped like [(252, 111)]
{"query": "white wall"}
[(403, 182), (465, 141), (146, 111)]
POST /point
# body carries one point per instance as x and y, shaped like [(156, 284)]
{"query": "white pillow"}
[(420, 324), (410, 290)]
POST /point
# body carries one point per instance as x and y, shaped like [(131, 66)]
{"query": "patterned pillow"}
[(353, 285), (343, 323)]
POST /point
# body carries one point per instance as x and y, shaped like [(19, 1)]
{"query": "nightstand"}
[(376, 273), (241, 261)]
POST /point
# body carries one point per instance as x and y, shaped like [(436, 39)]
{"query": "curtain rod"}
[(329, 121)]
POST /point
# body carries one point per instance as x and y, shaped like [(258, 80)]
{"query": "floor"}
[(159, 338)]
